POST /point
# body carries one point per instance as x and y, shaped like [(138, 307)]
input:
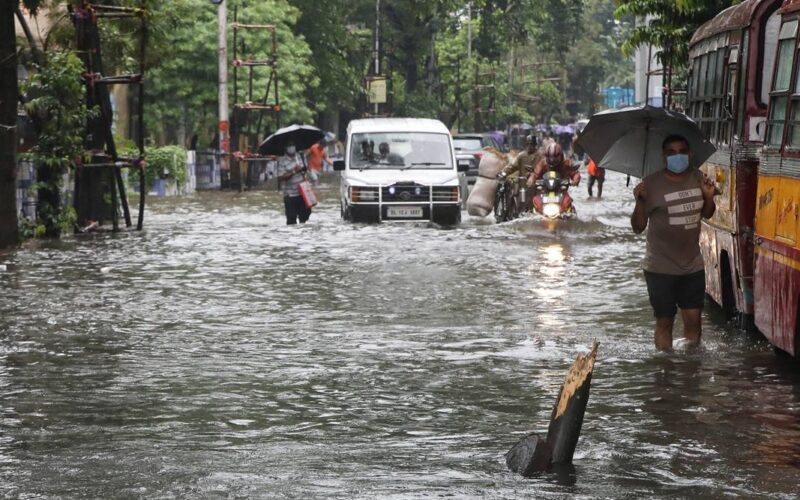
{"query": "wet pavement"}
[(221, 354)]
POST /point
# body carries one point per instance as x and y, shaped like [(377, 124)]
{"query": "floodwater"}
[(221, 354)]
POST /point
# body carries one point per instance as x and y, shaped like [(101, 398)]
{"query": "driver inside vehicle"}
[(388, 157), (367, 152)]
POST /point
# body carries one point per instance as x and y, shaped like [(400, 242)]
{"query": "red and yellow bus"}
[(729, 97), (744, 90), (777, 239)]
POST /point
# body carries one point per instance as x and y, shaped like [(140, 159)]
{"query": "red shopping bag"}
[(309, 198)]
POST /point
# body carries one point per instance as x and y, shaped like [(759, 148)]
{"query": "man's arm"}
[(287, 169), (512, 167), (639, 216)]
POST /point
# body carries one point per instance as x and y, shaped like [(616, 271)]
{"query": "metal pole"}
[(510, 77), (647, 81), (224, 139), (469, 30), (377, 47)]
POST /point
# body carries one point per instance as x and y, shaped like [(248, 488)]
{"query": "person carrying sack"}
[(291, 173)]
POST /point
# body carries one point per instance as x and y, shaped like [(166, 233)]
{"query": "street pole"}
[(469, 31), (224, 138), (377, 47)]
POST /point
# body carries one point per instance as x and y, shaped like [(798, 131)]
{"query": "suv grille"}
[(405, 192)]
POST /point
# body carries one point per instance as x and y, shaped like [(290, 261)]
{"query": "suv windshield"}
[(467, 144), (393, 150)]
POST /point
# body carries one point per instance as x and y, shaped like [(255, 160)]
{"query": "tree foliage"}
[(182, 81), (57, 108), (670, 27)]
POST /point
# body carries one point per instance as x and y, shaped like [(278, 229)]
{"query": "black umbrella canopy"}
[(302, 136), (628, 140)]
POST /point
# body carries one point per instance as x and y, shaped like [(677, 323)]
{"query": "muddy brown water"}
[(221, 354)]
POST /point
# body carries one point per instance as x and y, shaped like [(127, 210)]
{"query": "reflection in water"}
[(221, 353)]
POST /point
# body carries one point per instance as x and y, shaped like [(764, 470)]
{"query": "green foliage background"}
[(57, 108)]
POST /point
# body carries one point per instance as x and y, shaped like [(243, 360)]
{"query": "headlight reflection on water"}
[(551, 284)]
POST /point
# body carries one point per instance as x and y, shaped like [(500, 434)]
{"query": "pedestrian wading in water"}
[(671, 202), (291, 172)]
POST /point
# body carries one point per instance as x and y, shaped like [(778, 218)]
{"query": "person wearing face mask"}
[(671, 202), (291, 172)]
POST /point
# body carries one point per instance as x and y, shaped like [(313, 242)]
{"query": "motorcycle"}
[(507, 204), (552, 199)]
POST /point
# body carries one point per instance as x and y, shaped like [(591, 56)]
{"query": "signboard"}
[(376, 90)]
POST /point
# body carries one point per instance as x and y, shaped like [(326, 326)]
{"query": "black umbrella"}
[(628, 140), (302, 136)]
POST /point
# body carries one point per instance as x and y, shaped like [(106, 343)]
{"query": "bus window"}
[(780, 87), (770, 43), (777, 115), (794, 114), (719, 78), (712, 73), (702, 75), (741, 93)]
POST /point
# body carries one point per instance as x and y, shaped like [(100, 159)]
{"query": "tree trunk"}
[(35, 52), (9, 231), (533, 454), (567, 418)]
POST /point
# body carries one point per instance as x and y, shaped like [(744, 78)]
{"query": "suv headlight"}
[(360, 194)]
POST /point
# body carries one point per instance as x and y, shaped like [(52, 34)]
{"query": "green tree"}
[(340, 50), (595, 59), (57, 108), (182, 91), (672, 24), (9, 95)]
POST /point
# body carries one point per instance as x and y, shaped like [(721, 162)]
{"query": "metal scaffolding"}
[(101, 150), (250, 108)]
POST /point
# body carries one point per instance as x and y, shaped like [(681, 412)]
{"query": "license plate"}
[(550, 199), (404, 212)]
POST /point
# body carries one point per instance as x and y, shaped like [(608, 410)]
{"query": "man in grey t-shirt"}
[(290, 174), (673, 200)]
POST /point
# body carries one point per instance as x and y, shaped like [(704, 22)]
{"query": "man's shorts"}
[(668, 291)]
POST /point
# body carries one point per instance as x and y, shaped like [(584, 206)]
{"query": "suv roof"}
[(396, 125), (468, 135)]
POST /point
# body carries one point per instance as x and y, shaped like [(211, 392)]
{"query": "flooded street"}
[(222, 354)]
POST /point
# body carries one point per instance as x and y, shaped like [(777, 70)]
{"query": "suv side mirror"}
[(462, 167), (338, 165)]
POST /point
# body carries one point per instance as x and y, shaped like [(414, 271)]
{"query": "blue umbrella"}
[(629, 140)]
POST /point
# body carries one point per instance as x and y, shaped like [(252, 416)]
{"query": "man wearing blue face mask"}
[(291, 172), (672, 201)]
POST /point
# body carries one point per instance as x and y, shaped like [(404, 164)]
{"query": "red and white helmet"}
[(553, 154)]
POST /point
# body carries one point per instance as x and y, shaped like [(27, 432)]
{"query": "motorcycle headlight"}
[(550, 210)]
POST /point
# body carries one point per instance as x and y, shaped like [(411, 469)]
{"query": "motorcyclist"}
[(522, 167), (525, 163), (554, 161)]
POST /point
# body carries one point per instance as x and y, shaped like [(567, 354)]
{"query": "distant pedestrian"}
[(673, 200), (317, 156), (598, 175), (291, 172)]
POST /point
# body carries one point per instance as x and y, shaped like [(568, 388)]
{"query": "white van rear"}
[(399, 169)]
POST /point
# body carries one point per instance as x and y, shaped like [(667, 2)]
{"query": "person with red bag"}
[(291, 173)]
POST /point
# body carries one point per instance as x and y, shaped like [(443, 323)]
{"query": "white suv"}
[(399, 169)]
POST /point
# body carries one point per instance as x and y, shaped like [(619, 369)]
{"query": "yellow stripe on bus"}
[(779, 258)]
